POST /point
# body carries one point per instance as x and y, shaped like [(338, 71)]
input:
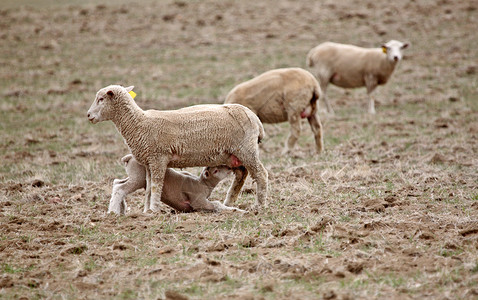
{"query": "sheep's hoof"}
[(154, 208), (113, 212), (286, 151)]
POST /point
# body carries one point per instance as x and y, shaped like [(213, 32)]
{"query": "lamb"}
[(350, 66), (280, 95), (182, 190), (201, 135)]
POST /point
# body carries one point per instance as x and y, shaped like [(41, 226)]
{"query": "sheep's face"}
[(393, 50), (219, 173), (102, 107)]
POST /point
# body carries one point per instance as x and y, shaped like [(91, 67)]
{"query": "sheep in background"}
[(281, 95), (182, 190), (350, 66), (201, 135)]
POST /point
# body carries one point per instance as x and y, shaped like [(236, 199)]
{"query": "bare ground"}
[(388, 211)]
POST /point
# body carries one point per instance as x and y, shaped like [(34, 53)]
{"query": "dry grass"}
[(388, 211)]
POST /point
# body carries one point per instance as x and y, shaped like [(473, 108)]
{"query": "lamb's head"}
[(216, 173), (102, 108), (393, 50)]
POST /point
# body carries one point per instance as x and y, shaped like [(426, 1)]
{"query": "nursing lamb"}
[(182, 190)]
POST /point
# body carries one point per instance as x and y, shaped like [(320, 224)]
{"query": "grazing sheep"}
[(201, 135), (182, 190), (350, 66), (283, 95)]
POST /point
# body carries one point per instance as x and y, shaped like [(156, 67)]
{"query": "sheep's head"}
[(393, 50), (102, 107)]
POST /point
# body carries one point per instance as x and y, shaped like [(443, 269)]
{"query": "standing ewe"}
[(202, 135), (350, 66), (283, 95), (182, 190)]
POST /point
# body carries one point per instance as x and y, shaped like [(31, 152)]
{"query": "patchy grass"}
[(387, 211)]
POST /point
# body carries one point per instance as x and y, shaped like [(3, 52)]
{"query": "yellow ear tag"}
[(384, 49), (133, 94)]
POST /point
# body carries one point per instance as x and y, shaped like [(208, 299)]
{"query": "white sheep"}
[(181, 190), (281, 95), (201, 135), (350, 66)]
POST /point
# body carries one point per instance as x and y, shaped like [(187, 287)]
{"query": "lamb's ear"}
[(110, 93), (130, 88), (405, 46)]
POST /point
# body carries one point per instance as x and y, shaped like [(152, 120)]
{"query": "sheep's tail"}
[(255, 119), (261, 132), (309, 61), (317, 95)]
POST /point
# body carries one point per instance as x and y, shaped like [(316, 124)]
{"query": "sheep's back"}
[(266, 94), (201, 135)]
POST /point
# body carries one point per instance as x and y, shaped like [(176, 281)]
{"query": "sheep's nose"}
[(88, 115), (395, 58)]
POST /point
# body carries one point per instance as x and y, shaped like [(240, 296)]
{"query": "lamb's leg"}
[(218, 207), (371, 83), (200, 203), (117, 196), (294, 120), (316, 127), (120, 191), (240, 175), (118, 181), (158, 171)]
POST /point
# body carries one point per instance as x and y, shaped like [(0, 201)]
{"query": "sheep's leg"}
[(240, 175), (294, 121), (158, 171), (147, 196), (323, 86), (371, 83), (316, 127), (260, 176)]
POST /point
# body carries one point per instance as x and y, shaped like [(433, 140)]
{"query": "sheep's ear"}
[(405, 46), (110, 93), (384, 49), (130, 88)]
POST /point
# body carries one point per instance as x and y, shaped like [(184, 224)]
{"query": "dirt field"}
[(389, 211)]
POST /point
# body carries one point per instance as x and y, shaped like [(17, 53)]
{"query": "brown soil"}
[(389, 211)]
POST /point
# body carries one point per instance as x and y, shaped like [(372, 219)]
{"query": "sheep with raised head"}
[(181, 190), (349, 66), (201, 135), (280, 95)]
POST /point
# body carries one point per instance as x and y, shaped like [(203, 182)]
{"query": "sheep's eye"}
[(100, 99)]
